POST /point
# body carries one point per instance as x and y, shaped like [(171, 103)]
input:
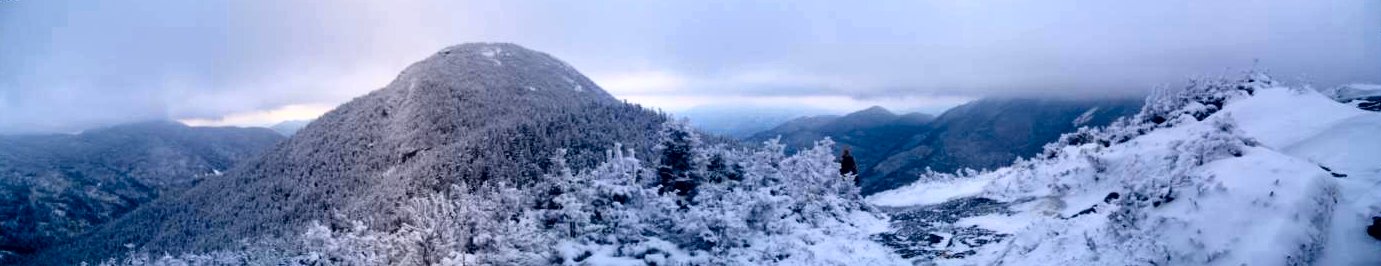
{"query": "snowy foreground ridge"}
[(1275, 176)]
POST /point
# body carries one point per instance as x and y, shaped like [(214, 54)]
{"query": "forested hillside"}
[(56, 186)]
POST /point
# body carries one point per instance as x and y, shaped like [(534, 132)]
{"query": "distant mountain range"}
[(892, 150), (56, 186), (290, 127)]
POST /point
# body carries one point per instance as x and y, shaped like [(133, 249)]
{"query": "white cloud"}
[(839, 104), (642, 83), (264, 118)]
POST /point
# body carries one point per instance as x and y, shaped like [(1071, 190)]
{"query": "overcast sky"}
[(70, 65)]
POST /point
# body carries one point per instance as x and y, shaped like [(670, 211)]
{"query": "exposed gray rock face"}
[(56, 186), (484, 114)]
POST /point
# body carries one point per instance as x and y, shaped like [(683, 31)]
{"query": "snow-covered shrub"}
[(1166, 107), (756, 206), (744, 206), (445, 228), (1201, 98)]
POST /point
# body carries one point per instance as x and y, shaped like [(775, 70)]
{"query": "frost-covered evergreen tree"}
[(678, 147)]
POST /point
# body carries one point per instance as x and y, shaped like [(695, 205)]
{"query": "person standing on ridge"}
[(847, 166)]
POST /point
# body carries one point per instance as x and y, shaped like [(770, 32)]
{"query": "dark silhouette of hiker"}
[(1375, 229), (848, 166)]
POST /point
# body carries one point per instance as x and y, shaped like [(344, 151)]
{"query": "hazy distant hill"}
[(486, 115), (290, 127), (56, 186), (742, 121), (870, 133)]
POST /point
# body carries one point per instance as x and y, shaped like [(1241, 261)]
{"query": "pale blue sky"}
[(70, 65)]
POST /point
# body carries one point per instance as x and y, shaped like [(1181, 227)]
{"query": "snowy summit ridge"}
[(504, 66), (1226, 172)]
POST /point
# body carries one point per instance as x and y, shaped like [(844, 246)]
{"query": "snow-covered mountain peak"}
[(457, 118), (502, 68), (875, 111)]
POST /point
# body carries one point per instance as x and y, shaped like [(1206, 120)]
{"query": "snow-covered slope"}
[(1221, 173), (1344, 139)]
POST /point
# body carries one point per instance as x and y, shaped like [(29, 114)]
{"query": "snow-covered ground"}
[(1344, 139), (1277, 176), (934, 192)]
